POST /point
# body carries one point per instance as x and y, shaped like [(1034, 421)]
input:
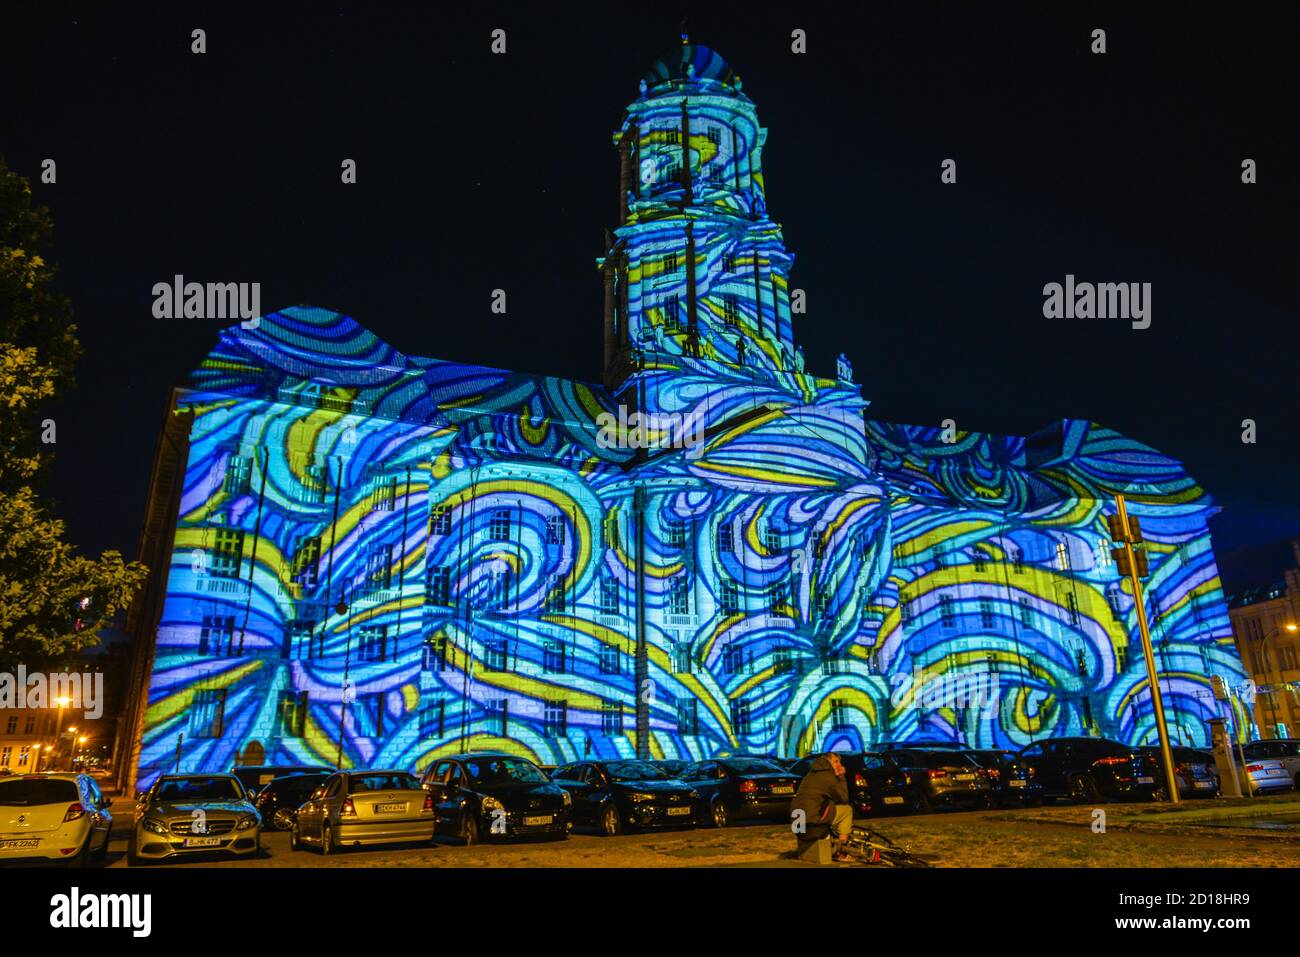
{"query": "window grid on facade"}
[(555, 530), (439, 585), (555, 716), (440, 520), (372, 643), (554, 657), (227, 552), (740, 722), (688, 721), (679, 595), (986, 613), (611, 717), (729, 597), (239, 474), (208, 713), (499, 526), (384, 496), (494, 654), (306, 561), (608, 595), (608, 660), (217, 635), (730, 309), (946, 611), (668, 308)]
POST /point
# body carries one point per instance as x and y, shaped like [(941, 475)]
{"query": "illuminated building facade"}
[(377, 558)]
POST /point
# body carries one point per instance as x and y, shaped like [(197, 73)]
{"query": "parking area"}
[(1199, 834)]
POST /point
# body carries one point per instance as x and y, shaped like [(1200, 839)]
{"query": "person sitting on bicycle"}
[(823, 796)]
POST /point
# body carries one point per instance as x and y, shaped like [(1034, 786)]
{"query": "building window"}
[(379, 567), (906, 609), (435, 652), (734, 661), (679, 594), (729, 597), (668, 310), (553, 657), (724, 538), (217, 635), (24, 751), (555, 530), (1072, 607), (609, 660), (946, 611), (297, 635), (981, 560), (439, 585), (675, 533), (239, 474), (208, 713), (730, 309), (1121, 658), (556, 596), (499, 527), (611, 717), (682, 657), (739, 717), (312, 488), (771, 540), (433, 719), (688, 716), (368, 715), (1062, 557), (669, 263), (608, 595), (306, 561), (609, 530), (840, 713), (1017, 561), (11, 726), (372, 643), (1026, 613), (777, 597), (6, 753), (1113, 598), (728, 262), (29, 726), (986, 613), (783, 661), (440, 520), (498, 713), (494, 654), (384, 496), (556, 718), (227, 552)]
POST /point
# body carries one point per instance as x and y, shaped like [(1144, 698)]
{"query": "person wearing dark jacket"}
[(823, 797)]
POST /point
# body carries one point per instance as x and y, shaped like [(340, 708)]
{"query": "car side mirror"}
[(106, 802), (140, 796)]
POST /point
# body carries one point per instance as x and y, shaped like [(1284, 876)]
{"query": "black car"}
[(1091, 769), (735, 789), (617, 795), (1012, 782), (254, 777), (876, 784), (491, 794), (672, 766), (279, 800)]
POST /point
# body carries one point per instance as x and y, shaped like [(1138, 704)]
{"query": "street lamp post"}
[(58, 728)]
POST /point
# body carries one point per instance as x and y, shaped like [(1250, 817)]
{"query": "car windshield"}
[(636, 771), (503, 771), (946, 759), (199, 789), (383, 781), (753, 766), (31, 792)]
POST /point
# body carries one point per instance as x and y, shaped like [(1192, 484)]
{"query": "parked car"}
[(1194, 769), (256, 776), (187, 814), (943, 778), (1267, 777), (57, 816), (876, 784), (355, 808), (1285, 750), (1091, 769), (1011, 781), (922, 745), (618, 795), (278, 801), (489, 794), (735, 789)]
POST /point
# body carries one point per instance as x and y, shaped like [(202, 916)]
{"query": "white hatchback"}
[(57, 816)]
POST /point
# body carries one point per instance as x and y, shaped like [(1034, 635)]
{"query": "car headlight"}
[(153, 825), (568, 798), (639, 796), (694, 795), (246, 821), (492, 804)]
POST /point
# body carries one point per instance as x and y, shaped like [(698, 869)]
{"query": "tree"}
[(52, 600)]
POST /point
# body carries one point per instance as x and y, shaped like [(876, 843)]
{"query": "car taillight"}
[(748, 787), (1252, 768), (859, 780), (74, 811), (1113, 761), (1182, 769), (937, 773), (989, 772), (428, 802), (349, 810)]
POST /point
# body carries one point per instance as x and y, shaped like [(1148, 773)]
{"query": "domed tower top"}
[(691, 64)]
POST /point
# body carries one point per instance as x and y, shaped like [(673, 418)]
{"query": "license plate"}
[(26, 842), (783, 790), (893, 800), (678, 811), (1146, 780), (1205, 784), (965, 777), (202, 841), (397, 807), (1016, 783), (538, 819)]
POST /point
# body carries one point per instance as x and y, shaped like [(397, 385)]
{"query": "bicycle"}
[(872, 847)]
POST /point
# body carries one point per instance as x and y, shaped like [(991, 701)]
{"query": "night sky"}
[(478, 172)]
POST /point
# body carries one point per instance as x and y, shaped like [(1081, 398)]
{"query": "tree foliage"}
[(52, 600)]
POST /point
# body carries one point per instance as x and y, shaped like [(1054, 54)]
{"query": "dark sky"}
[(478, 171)]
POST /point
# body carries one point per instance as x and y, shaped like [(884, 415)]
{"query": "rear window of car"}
[(26, 792), (753, 766), (382, 782)]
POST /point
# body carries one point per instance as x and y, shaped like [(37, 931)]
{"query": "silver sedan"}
[(353, 808), (187, 814)]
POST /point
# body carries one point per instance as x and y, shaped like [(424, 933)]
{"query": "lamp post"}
[(58, 728), (1290, 628), (36, 758)]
